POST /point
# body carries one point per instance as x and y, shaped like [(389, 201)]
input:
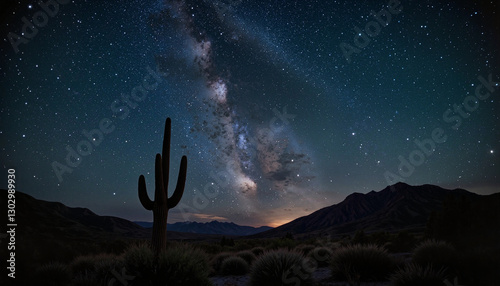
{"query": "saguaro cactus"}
[(162, 203)]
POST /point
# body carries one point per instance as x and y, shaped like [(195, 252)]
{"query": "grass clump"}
[(183, 265), (234, 265), (305, 248), (321, 255), (53, 274), (281, 267), (178, 265), (439, 254), (95, 270), (247, 255), (258, 250), (216, 261), (139, 260), (417, 275), (361, 263)]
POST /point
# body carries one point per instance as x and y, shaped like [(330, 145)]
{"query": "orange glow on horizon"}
[(279, 222)]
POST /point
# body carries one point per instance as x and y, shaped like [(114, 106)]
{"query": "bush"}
[(439, 254), (234, 265), (82, 265), (417, 275), (53, 274), (105, 265), (216, 261), (361, 263), (247, 255), (280, 243), (280, 267), (95, 270), (403, 242), (305, 248), (183, 265), (321, 256), (257, 250), (139, 262)]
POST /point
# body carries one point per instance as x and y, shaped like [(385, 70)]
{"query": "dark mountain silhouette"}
[(43, 220), (213, 227), (395, 208), (54, 219)]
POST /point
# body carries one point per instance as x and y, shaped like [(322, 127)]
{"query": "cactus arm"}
[(181, 183), (143, 194)]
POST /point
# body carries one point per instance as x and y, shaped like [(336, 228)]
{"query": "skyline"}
[(281, 109)]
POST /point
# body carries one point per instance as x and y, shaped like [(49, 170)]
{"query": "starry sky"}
[(282, 107)]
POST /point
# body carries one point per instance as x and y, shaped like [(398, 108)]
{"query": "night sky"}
[(282, 107)]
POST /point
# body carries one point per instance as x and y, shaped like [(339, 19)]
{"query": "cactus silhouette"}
[(162, 203)]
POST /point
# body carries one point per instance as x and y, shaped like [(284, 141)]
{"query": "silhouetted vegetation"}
[(417, 275), (362, 263), (234, 265), (280, 267)]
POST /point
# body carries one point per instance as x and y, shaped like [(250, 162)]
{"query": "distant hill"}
[(394, 208), (213, 227), (43, 220), (54, 219)]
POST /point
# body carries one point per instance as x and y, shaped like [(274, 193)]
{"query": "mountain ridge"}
[(212, 227), (393, 208)]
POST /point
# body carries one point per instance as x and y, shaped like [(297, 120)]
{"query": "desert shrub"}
[(242, 245), (417, 275), (247, 255), (216, 261), (183, 265), (305, 248), (116, 246), (210, 248), (105, 265), (82, 265), (360, 237), (402, 242), (437, 253), (280, 267), (226, 242), (53, 274), (280, 243), (139, 262), (85, 279), (95, 270), (361, 263), (234, 265), (258, 250), (321, 256)]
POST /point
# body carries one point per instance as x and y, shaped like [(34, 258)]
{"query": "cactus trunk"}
[(162, 203)]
